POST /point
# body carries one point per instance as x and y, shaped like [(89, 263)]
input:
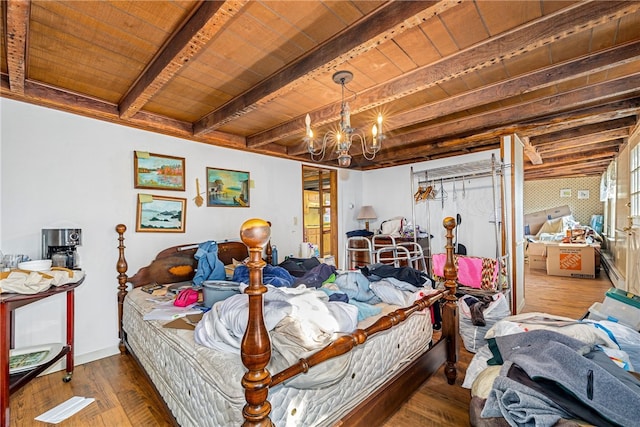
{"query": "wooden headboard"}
[(177, 263)]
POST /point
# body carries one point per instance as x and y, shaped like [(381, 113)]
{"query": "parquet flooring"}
[(124, 396)]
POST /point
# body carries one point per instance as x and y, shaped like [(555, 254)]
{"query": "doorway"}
[(320, 210)]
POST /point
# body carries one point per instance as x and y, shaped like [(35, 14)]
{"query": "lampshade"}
[(367, 212)]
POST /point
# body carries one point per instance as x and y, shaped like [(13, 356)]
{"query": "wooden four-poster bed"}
[(383, 361)]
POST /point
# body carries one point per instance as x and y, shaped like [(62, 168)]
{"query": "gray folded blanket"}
[(520, 405), (596, 382)]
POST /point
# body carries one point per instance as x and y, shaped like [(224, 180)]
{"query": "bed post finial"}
[(256, 346), (450, 309), (121, 268)]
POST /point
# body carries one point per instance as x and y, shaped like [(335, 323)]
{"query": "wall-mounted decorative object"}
[(198, 199), (157, 171), (160, 213), (565, 192), (583, 194), (227, 188)]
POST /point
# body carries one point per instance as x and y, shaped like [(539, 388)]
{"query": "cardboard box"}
[(538, 262), (537, 248), (537, 254), (571, 260)]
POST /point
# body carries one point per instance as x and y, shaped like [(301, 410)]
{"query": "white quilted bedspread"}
[(202, 387)]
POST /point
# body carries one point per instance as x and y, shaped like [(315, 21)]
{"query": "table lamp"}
[(366, 213)]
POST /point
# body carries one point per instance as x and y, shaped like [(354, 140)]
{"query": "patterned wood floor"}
[(125, 398)]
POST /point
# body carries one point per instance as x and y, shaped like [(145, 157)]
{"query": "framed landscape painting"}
[(162, 214), (227, 188), (158, 172)]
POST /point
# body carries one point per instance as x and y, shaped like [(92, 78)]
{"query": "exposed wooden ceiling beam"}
[(548, 28), (513, 114), (579, 159), (16, 35), (569, 171), (433, 149), (612, 145), (585, 142), (483, 139), (594, 168), (531, 152), (618, 127), (581, 117), (521, 84), (205, 24), (380, 26), (47, 96)]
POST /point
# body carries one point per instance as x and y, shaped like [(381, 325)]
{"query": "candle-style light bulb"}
[(307, 121), (380, 121), (310, 138), (374, 139)]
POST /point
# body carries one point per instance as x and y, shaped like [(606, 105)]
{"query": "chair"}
[(358, 252)]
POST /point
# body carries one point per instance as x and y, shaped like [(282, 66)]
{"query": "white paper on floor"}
[(65, 410)]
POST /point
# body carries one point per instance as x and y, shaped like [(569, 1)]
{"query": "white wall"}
[(61, 170), (389, 192)]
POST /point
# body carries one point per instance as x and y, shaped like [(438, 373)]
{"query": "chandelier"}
[(345, 135)]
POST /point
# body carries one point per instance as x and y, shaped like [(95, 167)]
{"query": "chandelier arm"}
[(318, 155), (378, 144), (366, 152), (315, 152)]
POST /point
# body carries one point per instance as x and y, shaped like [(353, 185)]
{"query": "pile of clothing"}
[(545, 370)]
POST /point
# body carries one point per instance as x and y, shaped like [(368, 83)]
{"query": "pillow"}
[(551, 226), (392, 226)]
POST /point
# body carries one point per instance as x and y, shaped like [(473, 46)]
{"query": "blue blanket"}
[(271, 275)]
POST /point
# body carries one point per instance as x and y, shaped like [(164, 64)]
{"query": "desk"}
[(9, 302)]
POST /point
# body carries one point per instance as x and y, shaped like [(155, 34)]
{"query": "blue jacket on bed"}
[(209, 266)]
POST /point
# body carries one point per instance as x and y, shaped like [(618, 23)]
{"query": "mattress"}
[(202, 386)]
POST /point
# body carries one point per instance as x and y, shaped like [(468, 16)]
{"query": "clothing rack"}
[(436, 177)]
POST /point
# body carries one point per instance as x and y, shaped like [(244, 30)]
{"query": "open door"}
[(320, 209), (632, 227)]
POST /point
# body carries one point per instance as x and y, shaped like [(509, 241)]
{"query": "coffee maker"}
[(59, 245)]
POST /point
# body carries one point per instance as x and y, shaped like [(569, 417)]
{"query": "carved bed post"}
[(121, 267), (450, 307), (256, 345), (268, 252)]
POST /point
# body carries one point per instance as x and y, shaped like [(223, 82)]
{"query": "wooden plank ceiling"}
[(449, 77)]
